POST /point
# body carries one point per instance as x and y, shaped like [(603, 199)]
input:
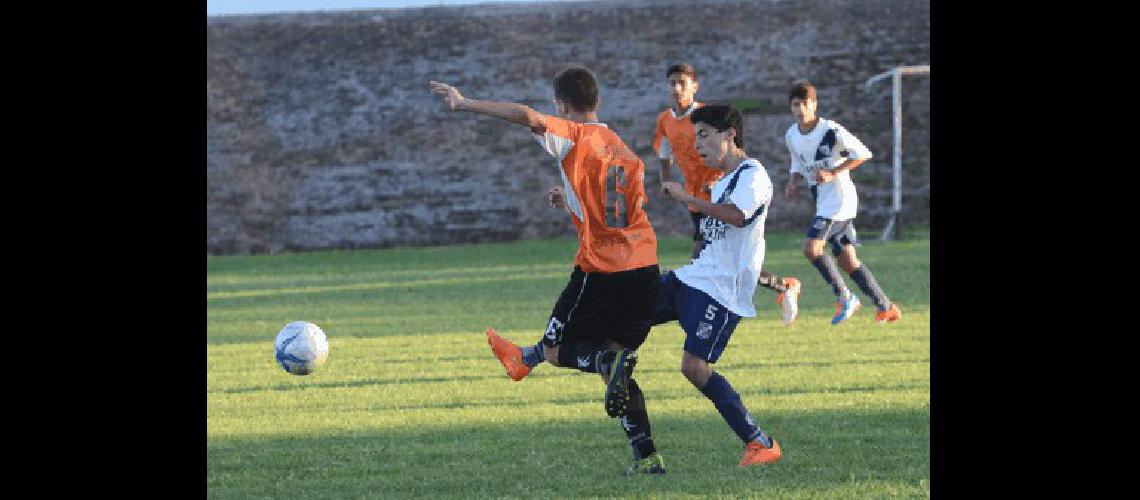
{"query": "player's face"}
[(803, 109), (560, 108), (682, 88), (710, 144)]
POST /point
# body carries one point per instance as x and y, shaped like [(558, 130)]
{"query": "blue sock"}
[(732, 409), (532, 355)]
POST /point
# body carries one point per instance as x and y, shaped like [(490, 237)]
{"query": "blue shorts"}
[(835, 232), (707, 324)]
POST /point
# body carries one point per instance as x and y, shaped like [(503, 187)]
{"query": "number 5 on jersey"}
[(710, 313)]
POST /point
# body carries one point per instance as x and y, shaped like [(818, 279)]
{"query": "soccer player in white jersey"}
[(673, 141), (823, 154), (709, 296)]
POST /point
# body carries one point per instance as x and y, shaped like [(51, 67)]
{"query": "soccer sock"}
[(589, 357), (831, 275), (732, 409), (532, 355), (635, 423), (867, 283), (771, 281)]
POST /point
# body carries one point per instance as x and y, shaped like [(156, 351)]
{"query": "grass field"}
[(412, 404)]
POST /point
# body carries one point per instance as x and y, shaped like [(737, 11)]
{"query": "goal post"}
[(896, 75)]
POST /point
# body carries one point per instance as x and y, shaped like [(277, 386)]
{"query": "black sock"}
[(589, 357), (830, 273), (635, 423), (772, 282), (870, 287)]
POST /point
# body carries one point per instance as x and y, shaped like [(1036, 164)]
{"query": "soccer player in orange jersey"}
[(603, 315), (673, 140)]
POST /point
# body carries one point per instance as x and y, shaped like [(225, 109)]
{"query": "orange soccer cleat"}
[(757, 453), (890, 315), (509, 355)]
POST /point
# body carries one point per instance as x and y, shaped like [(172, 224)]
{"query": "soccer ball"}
[(301, 347)]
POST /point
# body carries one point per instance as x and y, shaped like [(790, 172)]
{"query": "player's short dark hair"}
[(802, 90), (682, 68), (577, 87), (720, 117)]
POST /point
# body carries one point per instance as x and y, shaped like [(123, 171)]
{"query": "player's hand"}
[(450, 94), (790, 192), (556, 197), (674, 190), (825, 176)]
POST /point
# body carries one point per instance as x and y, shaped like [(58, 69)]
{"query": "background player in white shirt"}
[(709, 296), (823, 153)]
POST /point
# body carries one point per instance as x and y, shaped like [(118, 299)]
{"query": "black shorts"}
[(604, 306), (697, 235)]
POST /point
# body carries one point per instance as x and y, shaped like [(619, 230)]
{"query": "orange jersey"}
[(674, 137), (605, 191)]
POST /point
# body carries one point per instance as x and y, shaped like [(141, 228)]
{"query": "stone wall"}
[(322, 133)]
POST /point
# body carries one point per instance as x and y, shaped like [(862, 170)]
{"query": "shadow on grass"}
[(567, 373), (837, 451)]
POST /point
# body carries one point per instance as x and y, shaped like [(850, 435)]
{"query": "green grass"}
[(412, 404)]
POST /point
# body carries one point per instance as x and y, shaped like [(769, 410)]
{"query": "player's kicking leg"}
[(520, 360)]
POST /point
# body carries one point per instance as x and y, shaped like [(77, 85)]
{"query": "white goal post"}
[(896, 75)]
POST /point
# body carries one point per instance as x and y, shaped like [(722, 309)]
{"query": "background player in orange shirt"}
[(612, 292), (673, 140)]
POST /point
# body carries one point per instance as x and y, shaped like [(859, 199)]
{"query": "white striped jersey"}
[(731, 257), (831, 143)]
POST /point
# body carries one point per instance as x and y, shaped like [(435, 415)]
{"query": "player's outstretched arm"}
[(509, 111), (724, 212)]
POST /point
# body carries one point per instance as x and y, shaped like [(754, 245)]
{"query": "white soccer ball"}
[(301, 347)]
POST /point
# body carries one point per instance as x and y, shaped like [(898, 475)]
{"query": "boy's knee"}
[(812, 253), (696, 371), (849, 261)]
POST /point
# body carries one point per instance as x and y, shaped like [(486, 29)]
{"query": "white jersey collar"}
[(819, 121), (692, 106)]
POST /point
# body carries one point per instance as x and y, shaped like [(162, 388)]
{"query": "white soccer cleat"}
[(790, 300)]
